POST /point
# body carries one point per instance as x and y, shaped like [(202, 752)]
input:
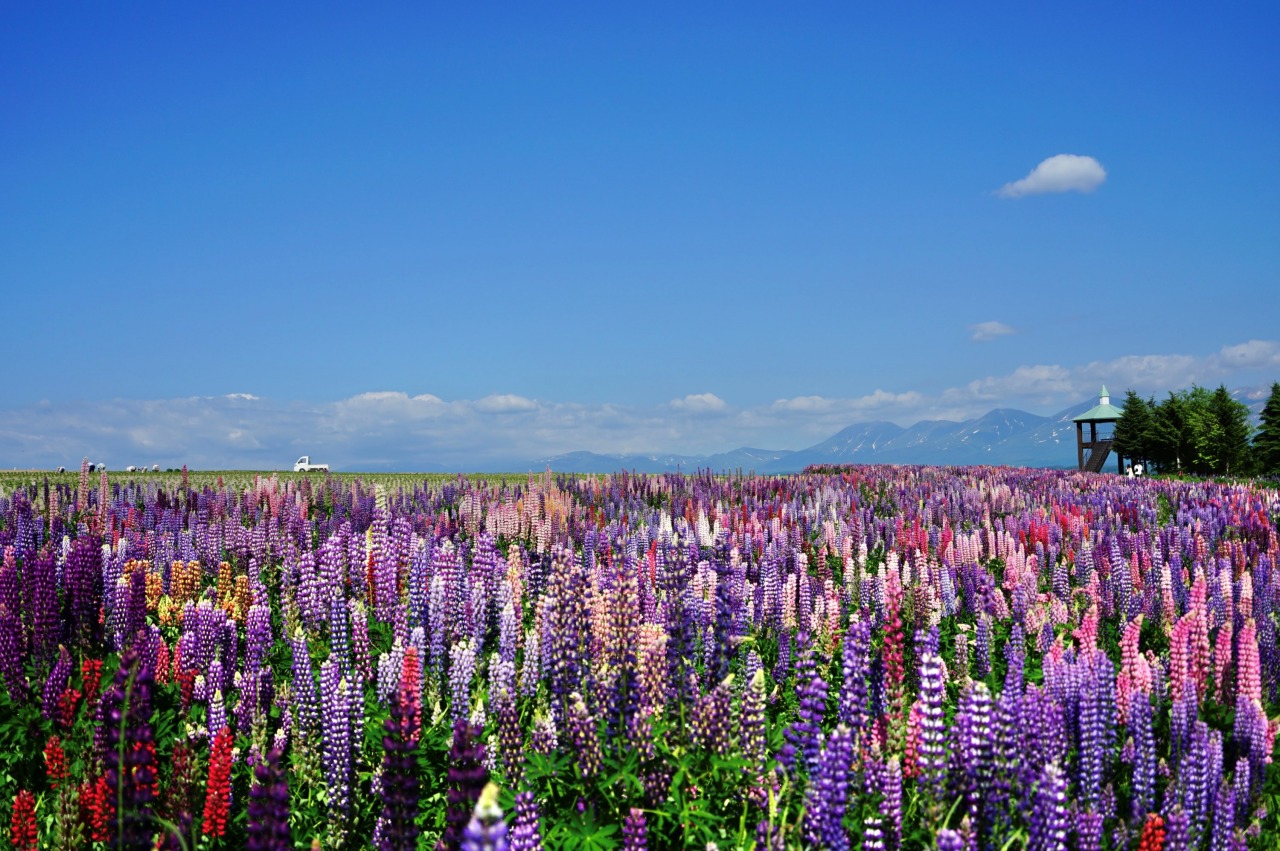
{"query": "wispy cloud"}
[(1061, 173), (700, 403), (985, 332), (391, 429)]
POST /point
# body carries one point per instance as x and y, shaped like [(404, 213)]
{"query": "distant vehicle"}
[(304, 465)]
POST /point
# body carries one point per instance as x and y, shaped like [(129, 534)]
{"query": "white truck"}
[(304, 465)]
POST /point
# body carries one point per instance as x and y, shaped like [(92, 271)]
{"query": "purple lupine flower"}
[(891, 802), (129, 751), (396, 828), (487, 830), (872, 834), (268, 828), (1097, 716), (303, 692), (11, 651), (635, 831), (803, 734), (1177, 825), (1088, 830), (509, 733), (1144, 757), (1224, 819), (856, 665), (1195, 783), (709, 722), (1048, 829), (258, 636), (584, 736), (828, 792), (56, 683), (932, 759), (526, 830), (467, 779), (336, 734), (82, 584), (982, 648), (769, 837), (361, 663)]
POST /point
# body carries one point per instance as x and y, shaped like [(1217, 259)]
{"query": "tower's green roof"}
[(1102, 412)]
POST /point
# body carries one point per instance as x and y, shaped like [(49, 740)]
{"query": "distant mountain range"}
[(1004, 436)]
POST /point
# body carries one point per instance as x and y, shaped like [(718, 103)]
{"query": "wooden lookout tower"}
[(1099, 443)]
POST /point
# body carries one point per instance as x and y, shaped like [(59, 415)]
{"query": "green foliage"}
[(1266, 443)]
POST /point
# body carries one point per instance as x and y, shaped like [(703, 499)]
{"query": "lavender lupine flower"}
[(56, 683), (950, 840), (828, 793), (268, 828), (526, 830), (467, 779), (487, 830), (462, 670), (1048, 830), (635, 831)]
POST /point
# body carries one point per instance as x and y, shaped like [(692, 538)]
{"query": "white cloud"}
[(699, 403), (984, 332), (1061, 173), (244, 397), (392, 429)]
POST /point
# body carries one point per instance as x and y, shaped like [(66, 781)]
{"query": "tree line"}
[(1200, 432)]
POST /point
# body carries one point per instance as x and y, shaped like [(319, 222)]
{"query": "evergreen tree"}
[(1220, 426), (1133, 429), (1167, 440), (1266, 443)]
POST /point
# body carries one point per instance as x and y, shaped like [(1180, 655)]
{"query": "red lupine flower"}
[(1152, 834), (96, 811), (55, 762), (67, 707), (217, 802), (91, 674), (186, 688), (24, 833)]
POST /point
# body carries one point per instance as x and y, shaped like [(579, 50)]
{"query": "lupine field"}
[(875, 658)]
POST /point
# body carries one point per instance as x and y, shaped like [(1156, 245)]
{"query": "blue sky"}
[(479, 235)]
